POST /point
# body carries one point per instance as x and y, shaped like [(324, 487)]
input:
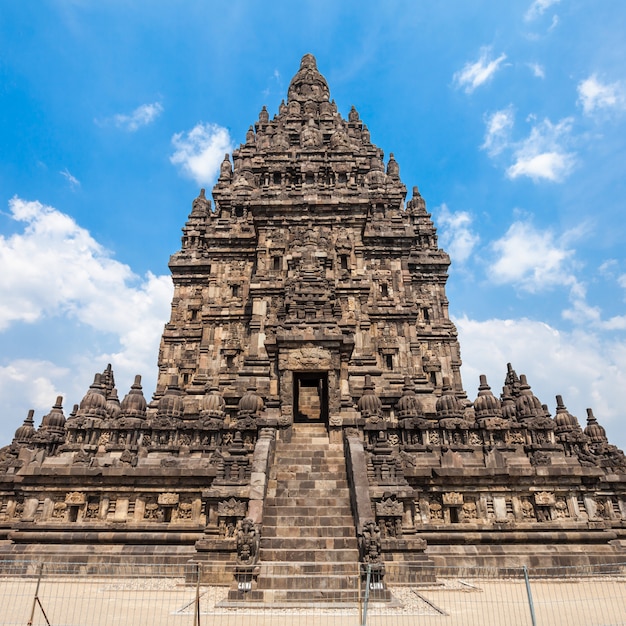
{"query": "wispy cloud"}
[(141, 116), (538, 8), (200, 151), (537, 70), (475, 74), (275, 83), (456, 233), (498, 131), (594, 95), (72, 180), (543, 154)]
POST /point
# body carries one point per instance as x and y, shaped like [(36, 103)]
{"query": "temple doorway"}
[(310, 395)]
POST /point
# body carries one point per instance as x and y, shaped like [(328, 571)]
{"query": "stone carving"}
[(369, 543), (310, 288), (247, 543), (168, 499), (436, 511), (470, 512), (185, 510), (231, 508), (92, 510), (528, 510), (545, 498), (453, 498), (58, 512), (75, 498), (152, 511), (389, 506)]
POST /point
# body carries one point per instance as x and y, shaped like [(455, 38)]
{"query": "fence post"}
[(367, 593), (530, 597), (196, 612), (36, 600)]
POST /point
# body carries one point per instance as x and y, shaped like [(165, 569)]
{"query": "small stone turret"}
[(251, 403), (369, 403), (94, 403), (134, 404), (213, 404), (25, 433), (409, 405), (54, 422), (448, 404), (527, 405), (113, 408), (486, 404), (171, 404), (564, 420), (593, 430), (509, 411)]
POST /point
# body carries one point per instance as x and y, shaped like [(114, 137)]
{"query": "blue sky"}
[(509, 116)]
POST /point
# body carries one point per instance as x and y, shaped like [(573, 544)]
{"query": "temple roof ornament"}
[(486, 404), (369, 403), (171, 404), (134, 403), (594, 430), (528, 406), (308, 83), (26, 431), (94, 403), (54, 422)]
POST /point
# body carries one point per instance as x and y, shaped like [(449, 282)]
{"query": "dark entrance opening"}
[(310, 397)]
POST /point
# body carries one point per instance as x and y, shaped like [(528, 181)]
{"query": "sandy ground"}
[(168, 601)]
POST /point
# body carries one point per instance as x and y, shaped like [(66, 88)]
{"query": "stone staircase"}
[(308, 549)]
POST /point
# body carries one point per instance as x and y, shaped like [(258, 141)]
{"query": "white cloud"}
[(532, 259), (537, 70), (587, 368), (456, 233), (56, 274), (475, 74), (141, 116), (200, 151), (554, 23), (538, 8), (594, 95), (498, 132), (72, 180), (543, 154)]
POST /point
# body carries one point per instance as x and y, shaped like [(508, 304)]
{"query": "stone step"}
[(279, 520), (338, 501), (345, 555), (311, 494), (289, 479), (311, 485), (312, 511), (309, 531), (308, 543), (293, 569), (311, 582), (286, 474), (308, 451)]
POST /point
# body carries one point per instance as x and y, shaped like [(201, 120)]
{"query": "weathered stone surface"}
[(310, 295)]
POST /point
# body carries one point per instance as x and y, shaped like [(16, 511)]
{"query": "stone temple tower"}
[(310, 273), (309, 404)]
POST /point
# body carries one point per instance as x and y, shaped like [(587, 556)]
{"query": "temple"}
[(309, 404)]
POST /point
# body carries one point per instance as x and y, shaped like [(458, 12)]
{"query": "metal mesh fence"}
[(107, 594)]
